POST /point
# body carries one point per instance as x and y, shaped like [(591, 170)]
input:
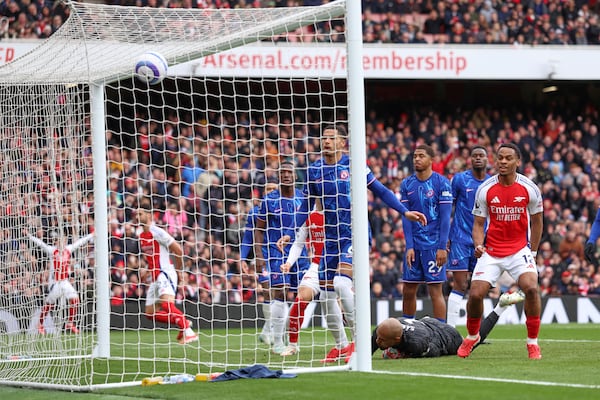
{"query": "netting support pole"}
[(358, 159), (100, 220)]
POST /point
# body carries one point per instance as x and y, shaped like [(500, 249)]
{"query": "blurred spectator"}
[(571, 246)]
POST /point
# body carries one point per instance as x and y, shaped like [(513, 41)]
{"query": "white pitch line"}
[(484, 379), (542, 341)]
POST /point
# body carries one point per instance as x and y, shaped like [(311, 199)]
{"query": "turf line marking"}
[(542, 341), (484, 379)]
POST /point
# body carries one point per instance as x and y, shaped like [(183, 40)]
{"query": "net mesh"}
[(199, 147)]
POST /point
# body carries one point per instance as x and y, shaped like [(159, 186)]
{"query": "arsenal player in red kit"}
[(512, 205), (308, 289), (60, 285), (158, 246)]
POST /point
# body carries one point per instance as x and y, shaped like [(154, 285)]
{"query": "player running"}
[(158, 245)]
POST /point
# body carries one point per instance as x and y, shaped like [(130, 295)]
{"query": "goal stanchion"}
[(246, 89)]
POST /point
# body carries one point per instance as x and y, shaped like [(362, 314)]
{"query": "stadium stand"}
[(560, 151)]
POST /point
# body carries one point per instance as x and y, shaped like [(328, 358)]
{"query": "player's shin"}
[(334, 319), (454, 302), (73, 303), (344, 287), (278, 316), (296, 319)]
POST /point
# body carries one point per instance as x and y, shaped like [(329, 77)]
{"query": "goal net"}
[(84, 144)]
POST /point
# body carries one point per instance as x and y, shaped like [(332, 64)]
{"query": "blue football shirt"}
[(464, 187), (427, 197)]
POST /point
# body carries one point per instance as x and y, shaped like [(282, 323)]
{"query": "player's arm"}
[(259, 239), (590, 245), (41, 244), (176, 252), (537, 224), (478, 234), (442, 247), (392, 201), (80, 242), (296, 249), (408, 231), (247, 243)]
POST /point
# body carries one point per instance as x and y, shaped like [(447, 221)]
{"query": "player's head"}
[(389, 333), (508, 159), (287, 173), (144, 214), (423, 157), (333, 139), (56, 239), (479, 158)]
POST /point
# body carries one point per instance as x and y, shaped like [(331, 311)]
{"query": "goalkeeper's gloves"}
[(590, 253)]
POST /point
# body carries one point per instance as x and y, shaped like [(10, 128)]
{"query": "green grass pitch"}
[(569, 370)]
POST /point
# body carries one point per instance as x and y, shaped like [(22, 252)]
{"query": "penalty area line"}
[(485, 379)]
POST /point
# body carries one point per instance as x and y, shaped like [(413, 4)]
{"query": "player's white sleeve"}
[(161, 236), (298, 244), (80, 242), (42, 245)]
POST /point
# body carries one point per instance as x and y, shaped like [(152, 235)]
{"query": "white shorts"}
[(162, 286), (311, 278), (490, 268), (61, 289)]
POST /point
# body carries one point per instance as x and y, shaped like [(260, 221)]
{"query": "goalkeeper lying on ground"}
[(428, 337)]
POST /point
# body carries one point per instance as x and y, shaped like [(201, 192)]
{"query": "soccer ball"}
[(391, 353), (151, 67)]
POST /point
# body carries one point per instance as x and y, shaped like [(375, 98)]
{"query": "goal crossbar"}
[(99, 43)]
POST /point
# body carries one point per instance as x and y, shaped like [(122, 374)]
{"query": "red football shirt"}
[(508, 210)]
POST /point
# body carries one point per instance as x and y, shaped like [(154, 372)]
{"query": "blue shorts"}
[(424, 268), (290, 279), (461, 257), (333, 257), (263, 276)]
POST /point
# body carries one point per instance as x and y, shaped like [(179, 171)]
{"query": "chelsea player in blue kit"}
[(247, 252), (329, 181), (282, 212), (461, 258), (426, 255)]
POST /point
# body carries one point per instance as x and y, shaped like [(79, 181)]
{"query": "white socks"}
[(308, 314), (278, 317), (344, 288), (454, 302), (267, 329), (334, 318)]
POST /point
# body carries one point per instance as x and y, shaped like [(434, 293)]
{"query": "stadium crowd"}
[(205, 175), (532, 22), (203, 196)]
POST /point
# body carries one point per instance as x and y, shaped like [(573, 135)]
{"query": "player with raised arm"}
[(426, 245), (308, 289), (512, 206), (247, 253), (158, 246), (60, 286), (329, 181), (281, 213)]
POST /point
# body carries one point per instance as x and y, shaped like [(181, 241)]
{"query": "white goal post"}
[(83, 144)]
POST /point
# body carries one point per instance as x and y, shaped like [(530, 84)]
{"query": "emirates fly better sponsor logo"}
[(507, 213)]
